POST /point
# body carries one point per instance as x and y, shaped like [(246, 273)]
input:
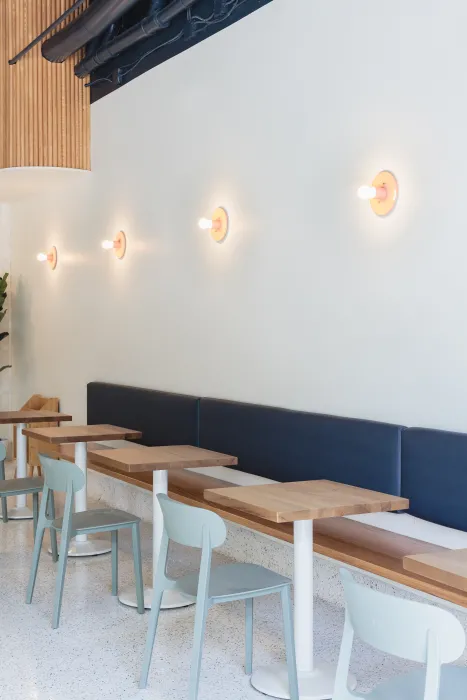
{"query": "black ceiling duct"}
[(147, 27), (90, 23)]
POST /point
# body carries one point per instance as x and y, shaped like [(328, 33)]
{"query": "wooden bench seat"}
[(363, 546)]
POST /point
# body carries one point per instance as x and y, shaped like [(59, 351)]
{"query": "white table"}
[(159, 460), (20, 419), (80, 435), (301, 503)]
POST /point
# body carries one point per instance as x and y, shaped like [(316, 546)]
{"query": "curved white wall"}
[(312, 302)]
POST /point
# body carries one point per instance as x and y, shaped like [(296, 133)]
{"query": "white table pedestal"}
[(21, 511), (170, 599), (81, 545), (315, 679)]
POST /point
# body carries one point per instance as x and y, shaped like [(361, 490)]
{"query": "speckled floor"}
[(97, 651)]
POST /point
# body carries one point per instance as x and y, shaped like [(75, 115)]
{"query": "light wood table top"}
[(304, 500), (81, 433), (28, 415), (448, 566), (147, 459)]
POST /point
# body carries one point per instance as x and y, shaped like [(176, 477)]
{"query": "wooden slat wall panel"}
[(3, 86), (44, 108)]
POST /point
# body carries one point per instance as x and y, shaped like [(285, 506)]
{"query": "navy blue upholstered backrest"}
[(163, 418), (434, 475), (293, 446)]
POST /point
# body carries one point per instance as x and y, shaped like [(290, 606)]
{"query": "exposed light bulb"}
[(366, 192), (42, 257), (382, 194), (205, 224), (107, 245)]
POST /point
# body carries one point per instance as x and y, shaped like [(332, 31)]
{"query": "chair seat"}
[(99, 518), (412, 686), (234, 579), (11, 487)]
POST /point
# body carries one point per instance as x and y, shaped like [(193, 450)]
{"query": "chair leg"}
[(35, 562), (289, 642), (63, 557), (249, 636), (62, 562), (198, 639), (135, 536), (35, 511), (115, 562), (150, 639), (4, 500), (53, 532), (4, 510)]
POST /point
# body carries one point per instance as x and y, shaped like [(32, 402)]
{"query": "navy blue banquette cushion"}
[(287, 445), (434, 475), (163, 418)]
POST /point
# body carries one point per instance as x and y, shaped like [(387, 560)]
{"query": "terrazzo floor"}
[(97, 651)]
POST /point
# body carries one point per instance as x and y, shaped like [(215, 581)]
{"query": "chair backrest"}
[(401, 627), (2, 451), (186, 524), (60, 475)]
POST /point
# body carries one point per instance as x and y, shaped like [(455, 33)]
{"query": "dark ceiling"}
[(205, 18)]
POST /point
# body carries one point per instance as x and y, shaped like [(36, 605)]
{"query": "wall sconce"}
[(382, 194), (218, 226), (118, 245), (50, 257)]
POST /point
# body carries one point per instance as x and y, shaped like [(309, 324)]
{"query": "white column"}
[(81, 497), (315, 678), (21, 512), (160, 484), (303, 594), (81, 546), (171, 599)]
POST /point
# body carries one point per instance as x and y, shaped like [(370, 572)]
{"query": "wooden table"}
[(301, 503), (80, 435), (158, 460), (20, 418), (448, 566)]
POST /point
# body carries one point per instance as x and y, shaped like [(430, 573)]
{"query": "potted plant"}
[(4, 334)]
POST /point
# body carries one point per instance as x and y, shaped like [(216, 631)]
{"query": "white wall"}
[(312, 302)]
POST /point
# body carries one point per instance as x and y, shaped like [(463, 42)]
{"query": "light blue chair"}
[(205, 530), (407, 629), (31, 486), (60, 475)]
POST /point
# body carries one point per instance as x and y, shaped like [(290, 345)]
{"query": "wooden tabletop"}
[(304, 500), (448, 566), (81, 433), (147, 459), (28, 415)]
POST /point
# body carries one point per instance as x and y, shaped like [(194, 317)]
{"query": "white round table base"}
[(91, 548), (318, 685), (170, 599), (22, 513)]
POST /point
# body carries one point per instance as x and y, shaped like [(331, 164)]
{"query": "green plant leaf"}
[(4, 335), (4, 367)]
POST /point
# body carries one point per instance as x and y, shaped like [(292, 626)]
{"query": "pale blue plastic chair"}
[(60, 475), (407, 629), (205, 530), (31, 486)]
